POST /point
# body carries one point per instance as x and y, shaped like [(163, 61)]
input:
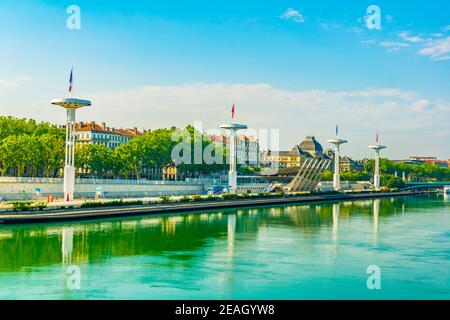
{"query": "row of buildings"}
[(247, 148), (307, 149), (94, 133), (415, 160), (248, 151)]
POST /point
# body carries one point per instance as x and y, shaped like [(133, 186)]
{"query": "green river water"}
[(313, 251)]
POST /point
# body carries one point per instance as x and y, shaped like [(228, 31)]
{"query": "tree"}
[(392, 182), (94, 159)]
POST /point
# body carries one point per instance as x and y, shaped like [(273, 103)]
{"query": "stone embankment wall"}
[(36, 188)]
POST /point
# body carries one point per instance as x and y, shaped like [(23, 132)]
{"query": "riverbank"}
[(136, 210)]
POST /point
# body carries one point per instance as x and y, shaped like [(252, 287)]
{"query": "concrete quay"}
[(63, 215)]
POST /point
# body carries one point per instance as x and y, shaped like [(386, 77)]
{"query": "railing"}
[(99, 181), (430, 183)]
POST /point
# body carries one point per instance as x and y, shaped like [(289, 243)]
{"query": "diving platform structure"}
[(305, 177)]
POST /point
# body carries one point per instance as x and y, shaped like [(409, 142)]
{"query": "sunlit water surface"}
[(314, 251)]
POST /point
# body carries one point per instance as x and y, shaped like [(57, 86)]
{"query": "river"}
[(313, 251)]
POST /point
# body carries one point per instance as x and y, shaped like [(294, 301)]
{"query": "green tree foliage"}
[(347, 176), (422, 172), (388, 168), (392, 182), (199, 144), (94, 159), (152, 150), (28, 148)]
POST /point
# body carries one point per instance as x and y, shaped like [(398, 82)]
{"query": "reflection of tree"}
[(178, 237)]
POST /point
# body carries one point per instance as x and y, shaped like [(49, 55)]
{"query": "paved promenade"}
[(122, 211)]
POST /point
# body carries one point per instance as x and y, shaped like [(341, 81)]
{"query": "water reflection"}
[(179, 237), (67, 245), (336, 209), (376, 213)]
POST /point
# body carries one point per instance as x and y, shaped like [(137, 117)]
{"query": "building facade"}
[(100, 134), (247, 148), (431, 160), (307, 149)]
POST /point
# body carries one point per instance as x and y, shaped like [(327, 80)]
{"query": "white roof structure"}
[(70, 103)]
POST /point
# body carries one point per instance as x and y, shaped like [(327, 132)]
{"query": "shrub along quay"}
[(38, 212)]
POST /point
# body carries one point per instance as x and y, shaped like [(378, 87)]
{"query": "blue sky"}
[(296, 66)]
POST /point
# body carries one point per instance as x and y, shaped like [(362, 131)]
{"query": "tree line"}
[(388, 168), (31, 149)]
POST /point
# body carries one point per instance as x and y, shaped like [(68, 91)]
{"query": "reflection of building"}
[(93, 133), (247, 148), (307, 149)]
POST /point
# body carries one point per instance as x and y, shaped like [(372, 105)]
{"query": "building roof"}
[(92, 126), (311, 145), (298, 151)]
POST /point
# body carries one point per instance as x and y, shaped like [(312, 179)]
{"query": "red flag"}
[(377, 137), (232, 111)]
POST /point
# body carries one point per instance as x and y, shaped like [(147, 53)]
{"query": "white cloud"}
[(296, 113), (438, 49), (24, 78), (394, 45), (408, 38), (8, 84), (371, 41), (446, 28), (421, 105), (293, 15)]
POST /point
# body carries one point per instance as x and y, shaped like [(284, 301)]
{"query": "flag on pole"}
[(337, 130), (232, 112), (71, 80), (377, 137)]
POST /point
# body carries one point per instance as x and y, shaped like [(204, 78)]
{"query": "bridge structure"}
[(426, 185)]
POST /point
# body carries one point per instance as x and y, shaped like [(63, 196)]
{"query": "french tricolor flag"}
[(71, 80)]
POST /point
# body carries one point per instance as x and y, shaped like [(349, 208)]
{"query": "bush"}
[(212, 198), (229, 196), (21, 205), (185, 199), (114, 203), (264, 194), (165, 199), (41, 206), (196, 197), (393, 182)]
